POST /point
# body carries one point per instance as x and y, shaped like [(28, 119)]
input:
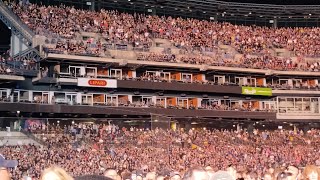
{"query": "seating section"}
[(88, 33)]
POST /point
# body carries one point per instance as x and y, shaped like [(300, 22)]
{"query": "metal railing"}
[(33, 137), (16, 21)]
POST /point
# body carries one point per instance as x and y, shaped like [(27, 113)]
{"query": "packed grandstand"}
[(115, 95)]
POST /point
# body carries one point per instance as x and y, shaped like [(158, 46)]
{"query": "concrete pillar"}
[(275, 23), (93, 5)]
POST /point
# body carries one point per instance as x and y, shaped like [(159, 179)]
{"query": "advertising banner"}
[(103, 83), (257, 91)]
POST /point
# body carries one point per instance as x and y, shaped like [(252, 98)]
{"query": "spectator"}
[(55, 173)]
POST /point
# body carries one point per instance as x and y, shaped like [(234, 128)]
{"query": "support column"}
[(93, 5), (275, 23), (239, 128)]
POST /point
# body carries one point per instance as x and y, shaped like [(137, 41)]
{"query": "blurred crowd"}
[(83, 149)]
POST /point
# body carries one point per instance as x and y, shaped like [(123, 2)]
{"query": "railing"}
[(15, 20), (33, 137)]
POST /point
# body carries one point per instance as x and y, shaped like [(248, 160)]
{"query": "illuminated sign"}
[(104, 83), (97, 83)]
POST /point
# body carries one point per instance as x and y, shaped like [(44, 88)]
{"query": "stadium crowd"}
[(190, 34), (83, 149)]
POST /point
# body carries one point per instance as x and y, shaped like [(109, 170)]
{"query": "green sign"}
[(257, 91)]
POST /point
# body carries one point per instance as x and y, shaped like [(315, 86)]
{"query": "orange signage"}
[(97, 82)]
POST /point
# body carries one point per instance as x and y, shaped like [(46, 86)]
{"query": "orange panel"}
[(176, 76), (103, 72), (98, 98), (312, 82), (193, 102), (130, 74), (255, 104), (123, 98), (260, 81), (172, 101), (197, 77)]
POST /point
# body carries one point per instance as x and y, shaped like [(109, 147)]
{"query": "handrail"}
[(33, 137), (15, 20)]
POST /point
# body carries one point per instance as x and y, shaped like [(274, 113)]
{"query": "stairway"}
[(15, 139), (13, 21)]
